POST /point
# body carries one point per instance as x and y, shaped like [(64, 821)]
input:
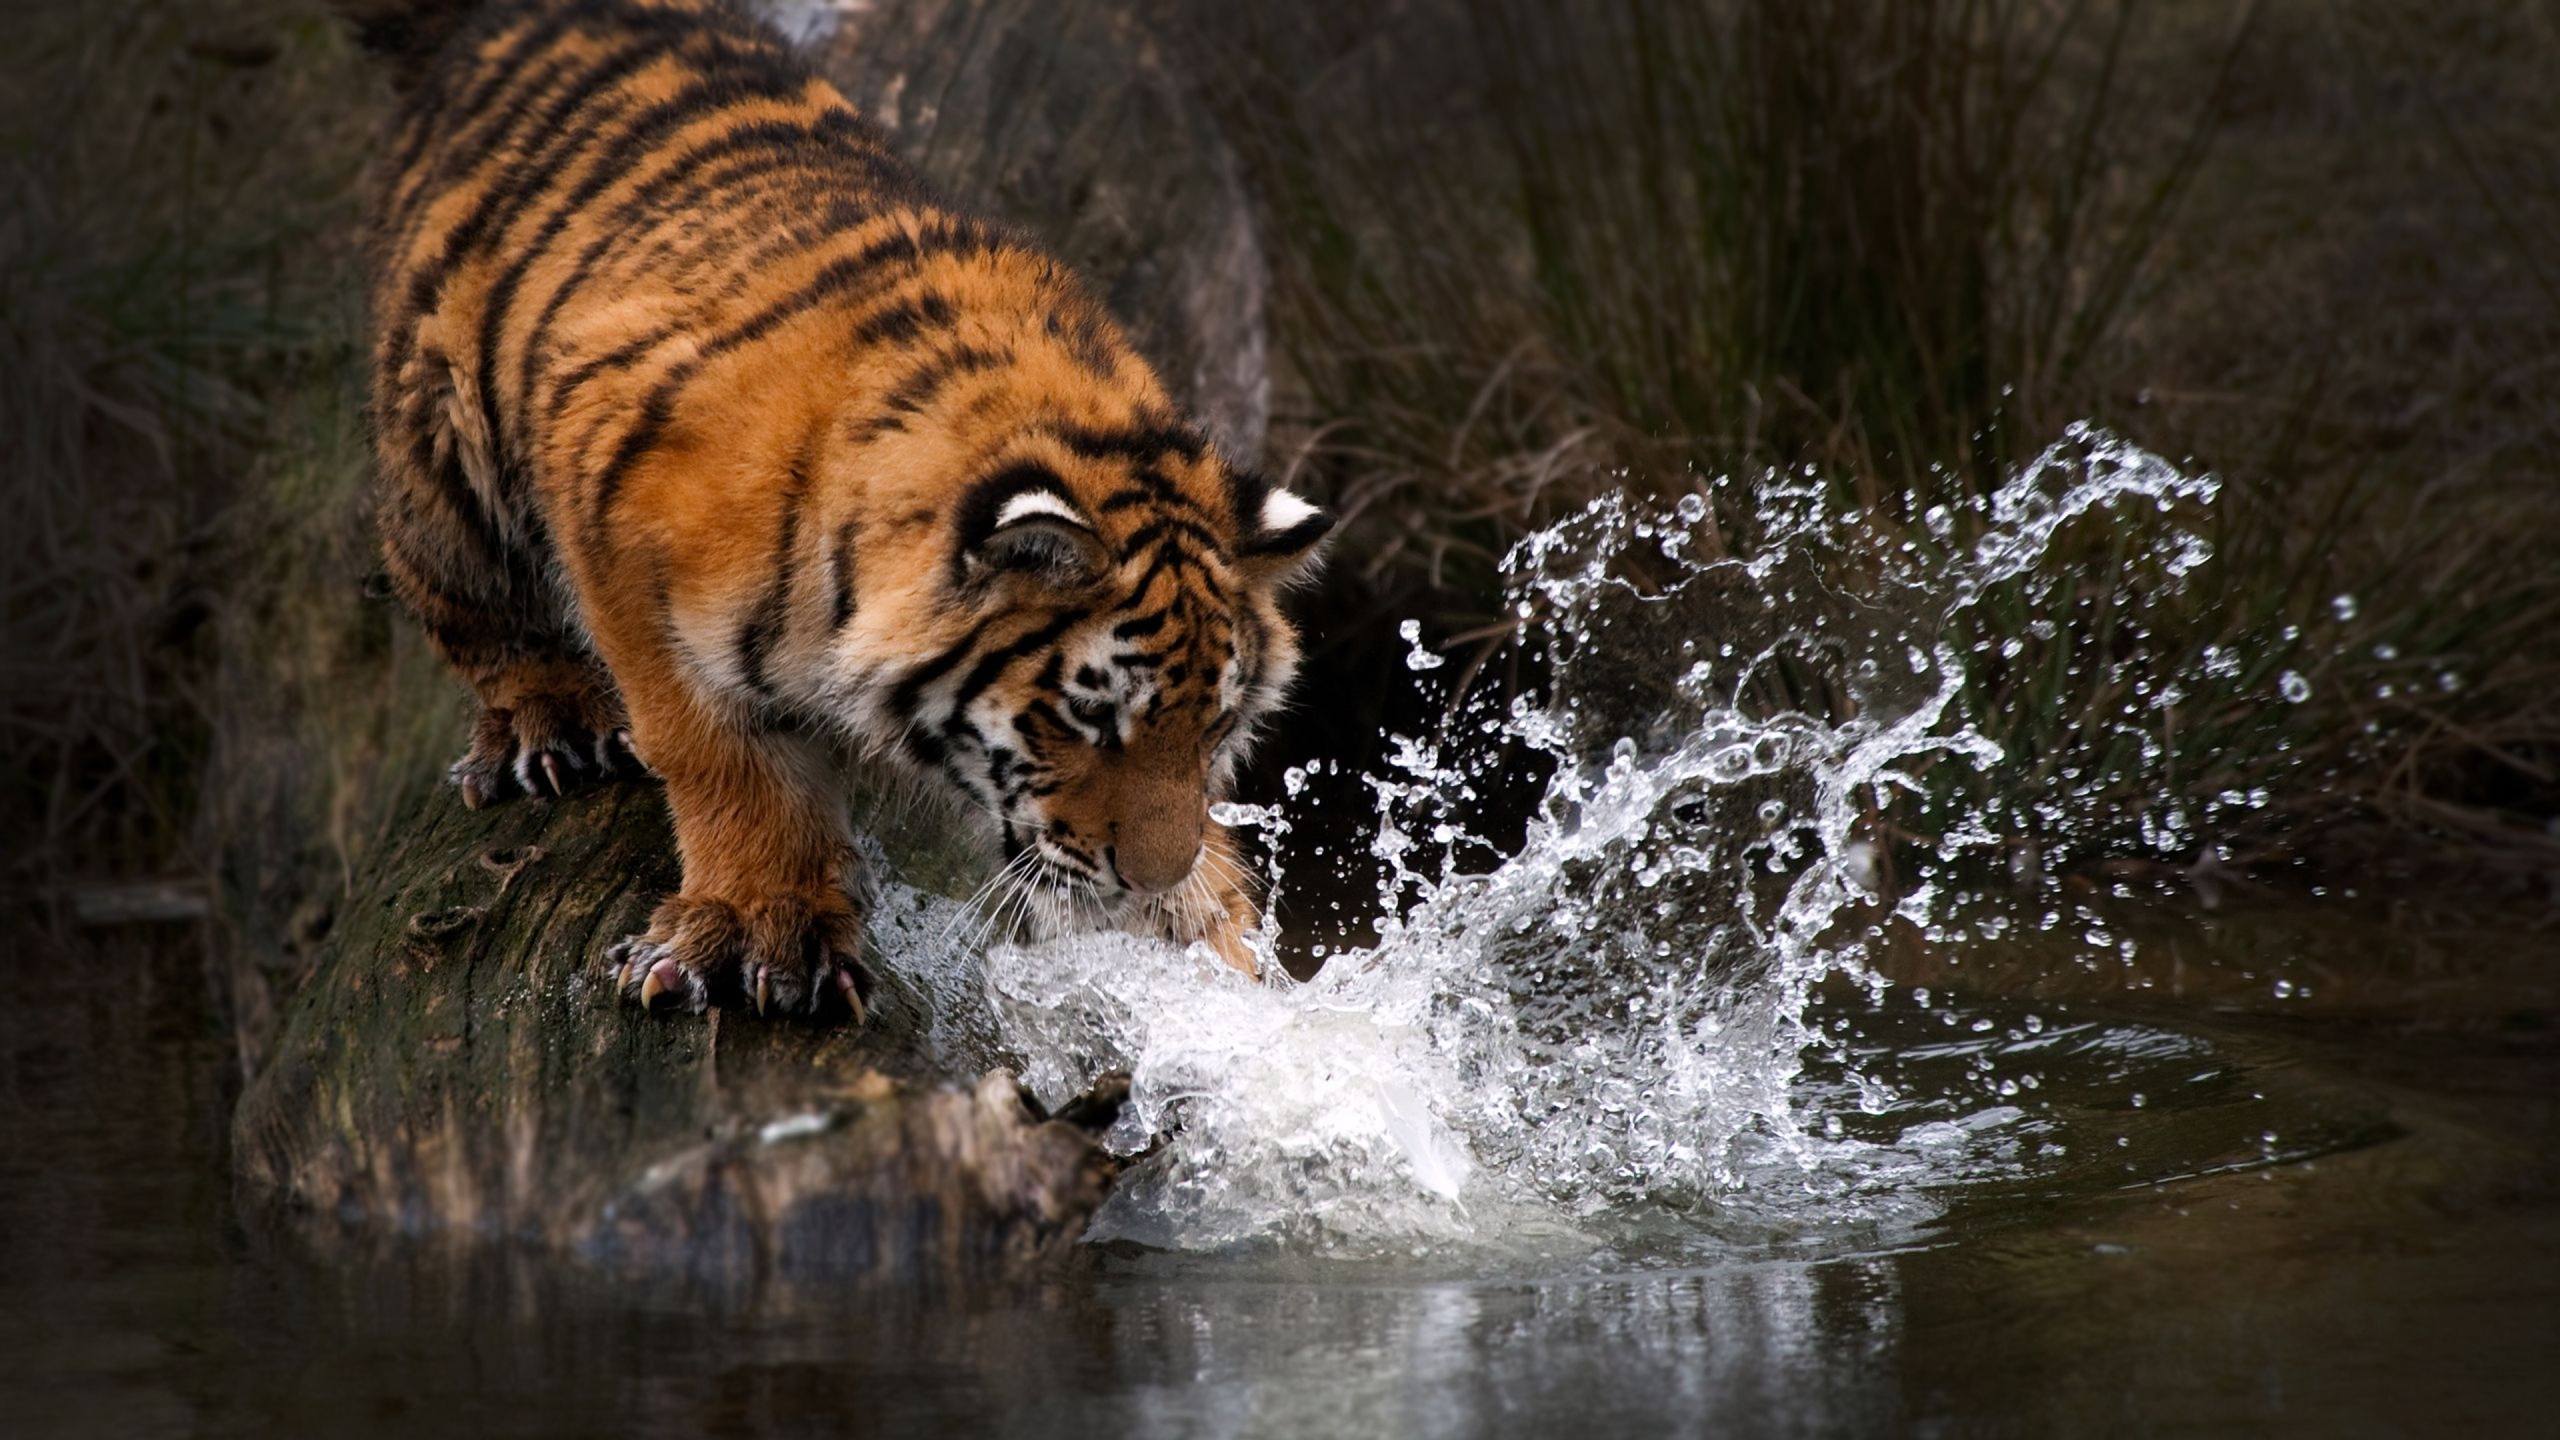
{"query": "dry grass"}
[(1529, 251), (177, 348), (2362, 329), (1517, 239)]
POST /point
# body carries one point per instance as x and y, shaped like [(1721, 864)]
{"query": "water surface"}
[(2390, 1263)]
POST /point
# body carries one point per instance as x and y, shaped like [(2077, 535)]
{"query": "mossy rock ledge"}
[(455, 1062)]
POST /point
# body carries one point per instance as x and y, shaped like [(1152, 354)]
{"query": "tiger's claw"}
[(790, 954), (543, 746)]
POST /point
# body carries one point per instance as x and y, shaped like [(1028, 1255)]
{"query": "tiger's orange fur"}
[(706, 432)]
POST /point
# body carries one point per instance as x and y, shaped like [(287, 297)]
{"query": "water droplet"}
[(2293, 686), (1420, 657)]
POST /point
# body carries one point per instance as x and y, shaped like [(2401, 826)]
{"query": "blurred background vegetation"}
[(1521, 252), (1526, 250)]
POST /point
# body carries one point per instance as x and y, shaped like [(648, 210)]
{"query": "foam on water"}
[(1612, 1014)]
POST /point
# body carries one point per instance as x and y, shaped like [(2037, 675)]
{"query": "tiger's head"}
[(1112, 637)]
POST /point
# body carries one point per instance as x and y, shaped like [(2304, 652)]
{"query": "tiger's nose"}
[(1156, 855)]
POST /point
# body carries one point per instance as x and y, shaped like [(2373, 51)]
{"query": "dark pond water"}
[(2332, 1215)]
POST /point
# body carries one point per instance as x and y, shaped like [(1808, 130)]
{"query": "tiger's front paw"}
[(786, 954), (545, 745)]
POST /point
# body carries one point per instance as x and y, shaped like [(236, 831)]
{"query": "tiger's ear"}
[(1281, 532), (1033, 531)]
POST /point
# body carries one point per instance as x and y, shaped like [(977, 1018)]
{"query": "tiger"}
[(712, 444)]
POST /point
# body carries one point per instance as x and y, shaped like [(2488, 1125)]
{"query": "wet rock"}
[(455, 1064)]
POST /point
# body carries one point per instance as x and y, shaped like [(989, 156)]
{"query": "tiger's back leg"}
[(473, 569)]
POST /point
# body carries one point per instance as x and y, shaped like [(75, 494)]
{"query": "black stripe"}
[(778, 146), (496, 73), (1167, 558), (903, 321), (1152, 489), (747, 268), (996, 661), (967, 785), (1296, 538), (838, 278), (758, 150), (622, 356), (1140, 628), (498, 206), (719, 77), (642, 437), (756, 636), (1087, 342), (834, 280), (845, 535), (582, 82), (837, 152), (708, 261), (1001, 764), (1130, 444), (1246, 493), (698, 101), (913, 394), (910, 686), (622, 231), (1164, 527), (671, 187), (453, 488)]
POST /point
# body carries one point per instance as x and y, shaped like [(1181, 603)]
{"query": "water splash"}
[(1612, 1015)]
